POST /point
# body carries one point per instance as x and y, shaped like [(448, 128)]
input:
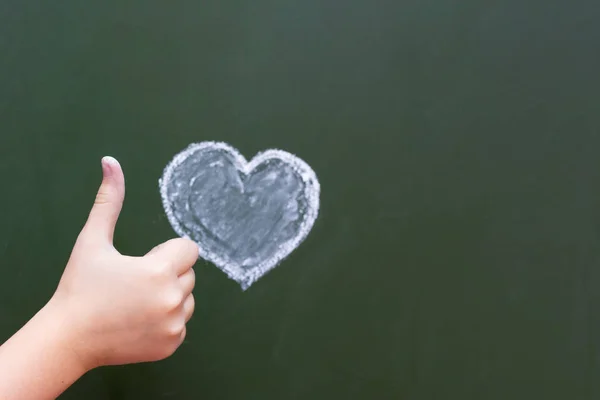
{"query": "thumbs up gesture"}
[(124, 309), (108, 308)]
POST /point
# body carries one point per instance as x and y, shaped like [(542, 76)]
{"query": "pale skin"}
[(108, 308)]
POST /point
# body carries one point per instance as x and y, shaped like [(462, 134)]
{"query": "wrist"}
[(39, 361), (65, 337)]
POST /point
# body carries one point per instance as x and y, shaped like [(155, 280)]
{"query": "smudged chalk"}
[(246, 217)]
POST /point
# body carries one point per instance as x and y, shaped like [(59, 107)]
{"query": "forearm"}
[(37, 362)]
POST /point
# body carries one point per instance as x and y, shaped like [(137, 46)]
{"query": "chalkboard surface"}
[(457, 250)]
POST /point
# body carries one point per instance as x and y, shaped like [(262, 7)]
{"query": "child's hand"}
[(122, 309), (108, 308)]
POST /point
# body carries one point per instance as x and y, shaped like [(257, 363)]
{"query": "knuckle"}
[(172, 300), (190, 311), (174, 333), (188, 279), (175, 329), (102, 198), (159, 271), (191, 300), (190, 303)]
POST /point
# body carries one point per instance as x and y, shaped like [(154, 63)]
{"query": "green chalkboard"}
[(456, 254)]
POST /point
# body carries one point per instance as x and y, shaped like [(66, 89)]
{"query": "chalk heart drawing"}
[(246, 217)]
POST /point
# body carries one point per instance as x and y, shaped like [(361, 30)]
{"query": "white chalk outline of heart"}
[(312, 193)]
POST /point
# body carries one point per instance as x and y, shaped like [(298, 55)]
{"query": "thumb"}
[(109, 201)]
